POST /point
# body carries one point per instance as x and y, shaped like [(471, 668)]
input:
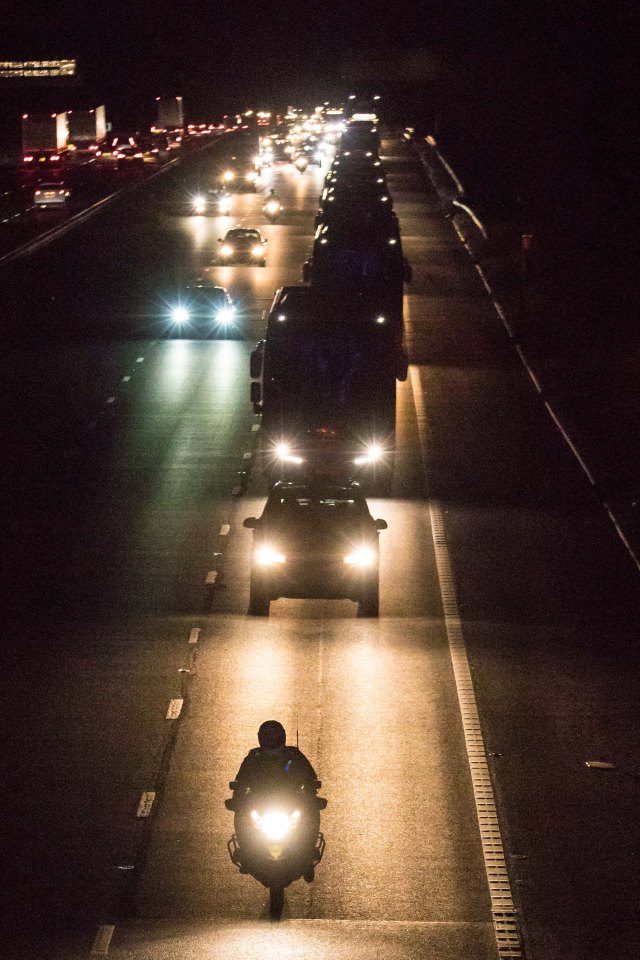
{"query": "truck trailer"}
[(324, 380), (44, 137), (87, 128)]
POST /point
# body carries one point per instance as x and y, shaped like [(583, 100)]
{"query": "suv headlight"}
[(180, 315), (226, 250), (361, 557), (257, 251), (268, 556)]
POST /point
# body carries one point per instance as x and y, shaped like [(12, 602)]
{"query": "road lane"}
[(136, 526)]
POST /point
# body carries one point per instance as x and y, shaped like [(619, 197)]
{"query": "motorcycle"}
[(272, 210), (277, 835)]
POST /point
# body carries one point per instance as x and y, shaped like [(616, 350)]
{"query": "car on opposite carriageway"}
[(202, 310), (242, 245)]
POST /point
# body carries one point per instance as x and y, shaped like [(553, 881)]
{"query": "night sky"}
[(218, 53), (535, 100)]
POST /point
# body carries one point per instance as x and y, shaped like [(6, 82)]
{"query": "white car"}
[(51, 195)]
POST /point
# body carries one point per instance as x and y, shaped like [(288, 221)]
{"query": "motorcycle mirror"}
[(381, 524), (233, 784), (251, 523)]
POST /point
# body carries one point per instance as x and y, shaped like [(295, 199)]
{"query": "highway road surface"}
[(131, 458)]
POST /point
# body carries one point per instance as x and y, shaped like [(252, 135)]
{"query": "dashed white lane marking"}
[(146, 803), (534, 379), (111, 399), (569, 443), (211, 577), (126, 379), (175, 708), (140, 360), (102, 940), (194, 636), (224, 529), (247, 455), (236, 491), (255, 427), (502, 907)]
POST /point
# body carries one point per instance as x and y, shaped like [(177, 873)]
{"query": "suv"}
[(315, 540)]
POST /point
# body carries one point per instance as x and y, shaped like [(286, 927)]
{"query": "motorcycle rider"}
[(272, 762)]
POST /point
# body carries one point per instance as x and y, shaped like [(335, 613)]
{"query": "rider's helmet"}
[(271, 735)]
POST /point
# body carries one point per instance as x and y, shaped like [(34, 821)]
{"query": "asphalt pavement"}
[(133, 459)]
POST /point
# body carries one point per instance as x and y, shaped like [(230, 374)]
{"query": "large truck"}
[(87, 128), (44, 137), (324, 380), (170, 114), (363, 263)]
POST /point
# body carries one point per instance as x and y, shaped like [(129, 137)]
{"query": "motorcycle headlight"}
[(268, 556), (228, 176), (180, 315), (273, 207), (252, 176), (226, 250), (257, 250), (275, 824), (361, 557)]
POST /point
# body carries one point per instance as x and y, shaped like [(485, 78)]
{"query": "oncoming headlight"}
[(225, 314), (180, 315), (226, 250), (361, 557), (268, 556), (257, 251), (373, 454), (275, 824)]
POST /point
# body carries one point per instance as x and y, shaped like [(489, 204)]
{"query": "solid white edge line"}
[(194, 636), (503, 911), (224, 529), (102, 940)]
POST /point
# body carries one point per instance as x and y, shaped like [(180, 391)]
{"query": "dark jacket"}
[(289, 764)]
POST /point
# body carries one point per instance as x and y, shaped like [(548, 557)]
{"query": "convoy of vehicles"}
[(324, 377)]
